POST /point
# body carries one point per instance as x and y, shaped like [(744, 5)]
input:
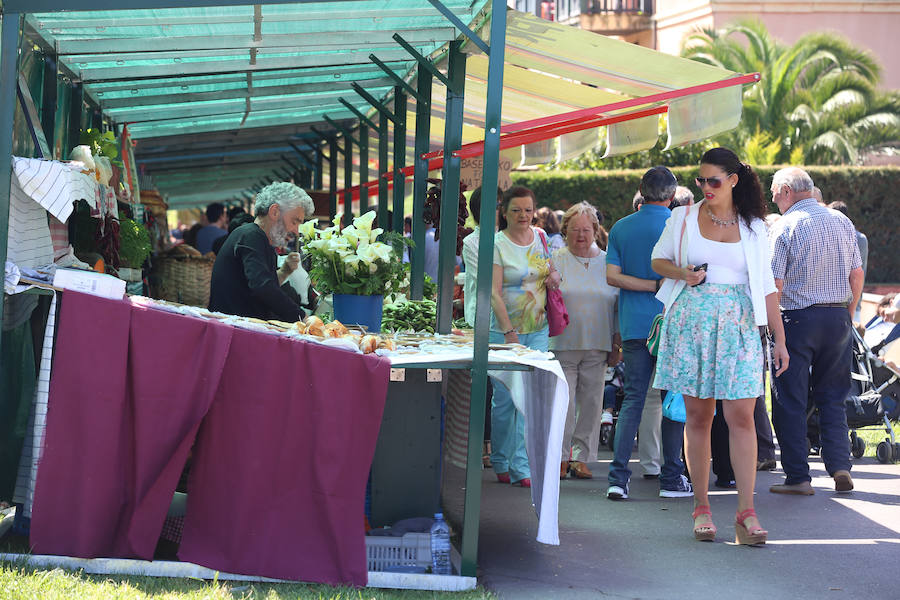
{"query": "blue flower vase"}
[(351, 309)]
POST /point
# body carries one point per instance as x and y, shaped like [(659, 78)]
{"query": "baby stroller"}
[(614, 388), (874, 402)]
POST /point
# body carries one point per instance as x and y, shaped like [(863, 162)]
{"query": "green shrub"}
[(870, 193)]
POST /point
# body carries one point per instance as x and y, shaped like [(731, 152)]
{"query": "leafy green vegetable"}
[(410, 315)]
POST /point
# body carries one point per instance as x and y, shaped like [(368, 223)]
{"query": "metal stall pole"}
[(399, 157), (76, 108), (386, 115), (348, 180), (349, 142), (332, 176), (364, 126), (420, 181), (48, 102), (469, 548), (317, 178), (456, 72), (422, 94), (363, 144), (9, 72)]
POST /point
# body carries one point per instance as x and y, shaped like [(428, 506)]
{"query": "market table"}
[(280, 458), (282, 432)]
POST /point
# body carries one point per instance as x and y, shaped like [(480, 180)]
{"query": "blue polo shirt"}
[(631, 242)]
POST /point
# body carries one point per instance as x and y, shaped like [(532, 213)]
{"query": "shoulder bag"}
[(557, 315), (656, 327)]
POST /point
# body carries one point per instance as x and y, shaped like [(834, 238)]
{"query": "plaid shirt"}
[(813, 251)]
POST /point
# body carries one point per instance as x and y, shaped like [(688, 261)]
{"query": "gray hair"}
[(286, 195), (582, 208), (637, 201), (658, 185), (683, 197), (795, 178)]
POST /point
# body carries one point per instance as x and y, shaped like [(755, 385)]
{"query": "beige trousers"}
[(585, 371)]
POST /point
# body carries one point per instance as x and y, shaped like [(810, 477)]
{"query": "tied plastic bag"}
[(673, 407)]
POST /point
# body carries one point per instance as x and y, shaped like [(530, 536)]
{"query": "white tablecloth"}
[(542, 395)]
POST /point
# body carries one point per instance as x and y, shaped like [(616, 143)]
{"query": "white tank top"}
[(726, 260)]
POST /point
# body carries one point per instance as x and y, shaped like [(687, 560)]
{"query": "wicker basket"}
[(182, 279)]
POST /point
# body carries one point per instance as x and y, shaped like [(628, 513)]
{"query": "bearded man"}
[(245, 280)]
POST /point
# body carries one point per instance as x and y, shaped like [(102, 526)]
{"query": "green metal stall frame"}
[(11, 37)]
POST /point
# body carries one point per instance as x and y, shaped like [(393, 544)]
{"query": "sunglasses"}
[(713, 182)]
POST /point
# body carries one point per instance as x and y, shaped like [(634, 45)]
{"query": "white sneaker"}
[(682, 489), (617, 492), (606, 418)]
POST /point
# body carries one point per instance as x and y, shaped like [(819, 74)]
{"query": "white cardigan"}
[(754, 241)]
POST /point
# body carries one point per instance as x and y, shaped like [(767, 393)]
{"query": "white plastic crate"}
[(413, 549)]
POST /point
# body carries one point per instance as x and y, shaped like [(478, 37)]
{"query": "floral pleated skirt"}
[(710, 345)]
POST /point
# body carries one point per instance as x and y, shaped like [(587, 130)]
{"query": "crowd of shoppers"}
[(727, 286)]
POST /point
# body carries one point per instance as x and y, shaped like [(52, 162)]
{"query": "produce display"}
[(410, 315), (432, 213)]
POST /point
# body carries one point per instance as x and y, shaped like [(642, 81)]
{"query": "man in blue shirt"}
[(631, 242), (217, 227)]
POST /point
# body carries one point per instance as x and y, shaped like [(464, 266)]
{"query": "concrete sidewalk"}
[(834, 546)]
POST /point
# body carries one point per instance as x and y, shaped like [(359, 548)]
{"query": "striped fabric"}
[(29, 243), (37, 422), (54, 185), (813, 251)]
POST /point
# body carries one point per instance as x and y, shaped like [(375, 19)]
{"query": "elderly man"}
[(245, 280), (819, 275), (631, 242)]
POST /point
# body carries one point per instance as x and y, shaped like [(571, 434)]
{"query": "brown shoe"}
[(797, 489), (842, 481), (563, 469), (579, 470)]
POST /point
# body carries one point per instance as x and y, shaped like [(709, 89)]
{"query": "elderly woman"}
[(590, 343), (522, 274), (709, 344)]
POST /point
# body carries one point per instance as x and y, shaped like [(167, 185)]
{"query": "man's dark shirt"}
[(245, 280)]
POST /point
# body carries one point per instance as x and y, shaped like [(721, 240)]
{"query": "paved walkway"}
[(827, 546)]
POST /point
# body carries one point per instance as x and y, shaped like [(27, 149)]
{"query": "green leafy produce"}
[(134, 243), (410, 315), (460, 323)]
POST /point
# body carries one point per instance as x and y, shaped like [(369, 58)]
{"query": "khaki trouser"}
[(585, 371)]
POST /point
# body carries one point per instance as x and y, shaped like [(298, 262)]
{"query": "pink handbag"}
[(557, 315)]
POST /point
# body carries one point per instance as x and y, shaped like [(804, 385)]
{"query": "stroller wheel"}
[(897, 451), (611, 439), (858, 446), (884, 452), (606, 432)]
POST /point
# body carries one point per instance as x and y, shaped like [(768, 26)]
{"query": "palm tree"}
[(817, 96)]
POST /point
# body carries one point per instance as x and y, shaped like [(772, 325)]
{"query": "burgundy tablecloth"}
[(287, 431)]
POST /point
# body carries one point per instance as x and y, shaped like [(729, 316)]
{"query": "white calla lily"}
[(364, 222)]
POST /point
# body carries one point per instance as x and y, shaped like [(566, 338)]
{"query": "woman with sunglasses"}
[(710, 347)]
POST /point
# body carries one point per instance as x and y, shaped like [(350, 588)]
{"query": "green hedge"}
[(872, 195)]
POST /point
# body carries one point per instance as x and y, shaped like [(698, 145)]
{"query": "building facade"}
[(663, 24)]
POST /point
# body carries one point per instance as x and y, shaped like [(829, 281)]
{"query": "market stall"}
[(212, 122)]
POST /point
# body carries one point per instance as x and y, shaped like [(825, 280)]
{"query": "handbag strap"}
[(544, 241)]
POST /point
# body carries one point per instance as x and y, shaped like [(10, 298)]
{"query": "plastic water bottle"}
[(440, 546)]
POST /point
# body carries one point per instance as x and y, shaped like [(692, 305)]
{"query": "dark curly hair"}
[(747, 194)]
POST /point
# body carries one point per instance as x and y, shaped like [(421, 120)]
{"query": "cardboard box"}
[(90, 282)]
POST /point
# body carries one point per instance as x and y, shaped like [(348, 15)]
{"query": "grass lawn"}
[(872, 436), (21, 582)]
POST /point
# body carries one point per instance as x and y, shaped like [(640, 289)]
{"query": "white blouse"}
[(590, 302)]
